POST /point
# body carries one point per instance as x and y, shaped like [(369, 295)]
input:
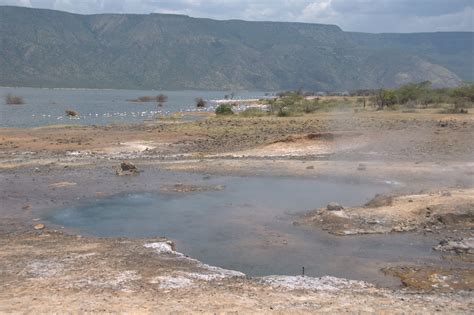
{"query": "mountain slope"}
[(51, 48), (453, 50)]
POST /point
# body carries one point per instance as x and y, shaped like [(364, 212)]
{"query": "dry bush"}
[(200, 102), (11, 99)]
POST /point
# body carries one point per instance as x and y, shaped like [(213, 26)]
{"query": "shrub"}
[(161, 99), (224, 109), (71, 113), (284, 113), (13, 100), (413, 92), (200, 102), (466, 91), (253, 112)]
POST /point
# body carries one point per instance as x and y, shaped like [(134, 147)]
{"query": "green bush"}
[(224, 109), (386, 98), (291, 104), (413, 92), (285, 113), (253, 112), (466, 91)]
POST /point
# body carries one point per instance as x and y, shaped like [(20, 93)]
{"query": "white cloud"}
[(351, 15)]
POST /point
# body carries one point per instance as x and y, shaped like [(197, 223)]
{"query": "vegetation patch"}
[(253, 112), (224, 109), (11, 99), (160, 99), (407, 98), (414, 95)]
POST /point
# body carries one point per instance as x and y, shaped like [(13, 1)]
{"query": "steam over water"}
[(248, 227)]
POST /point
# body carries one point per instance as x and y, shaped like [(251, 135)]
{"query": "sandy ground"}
[(427, 156)]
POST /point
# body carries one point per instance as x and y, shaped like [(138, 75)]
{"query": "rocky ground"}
[(426, 211), (428, 157), (49, 272)]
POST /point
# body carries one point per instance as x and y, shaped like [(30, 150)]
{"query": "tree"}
[(385, 98), (161, 99), (466, 91), (413, 92)]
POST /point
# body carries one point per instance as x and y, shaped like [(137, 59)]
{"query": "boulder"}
[(334, 206), (127, 168)]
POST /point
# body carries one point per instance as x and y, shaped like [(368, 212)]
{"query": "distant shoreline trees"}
[(160, 99)]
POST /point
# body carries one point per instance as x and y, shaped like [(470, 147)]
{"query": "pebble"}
[(39, 226)]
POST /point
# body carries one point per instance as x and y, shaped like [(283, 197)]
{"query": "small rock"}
[(310, 167), (39, 226), (334, 206), (62, 185), (362, 167), (373, 221), (127, 168)]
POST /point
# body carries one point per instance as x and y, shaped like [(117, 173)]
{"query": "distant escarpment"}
[(45, 48)]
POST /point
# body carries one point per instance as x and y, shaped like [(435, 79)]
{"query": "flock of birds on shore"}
[(140, 115)]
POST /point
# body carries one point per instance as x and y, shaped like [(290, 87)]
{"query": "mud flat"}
[(426, 157)]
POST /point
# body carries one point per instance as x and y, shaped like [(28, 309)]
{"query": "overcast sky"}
[(373, 16)]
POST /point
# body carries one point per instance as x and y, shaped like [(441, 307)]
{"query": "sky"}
[(373, 16)]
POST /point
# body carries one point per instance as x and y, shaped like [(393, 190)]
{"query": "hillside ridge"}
[(48, 48)]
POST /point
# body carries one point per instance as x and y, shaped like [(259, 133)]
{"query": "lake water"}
[(248, 227), (99, 107)]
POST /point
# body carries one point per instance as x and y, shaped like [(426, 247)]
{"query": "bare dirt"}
[(49, 272), (427, 156)]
